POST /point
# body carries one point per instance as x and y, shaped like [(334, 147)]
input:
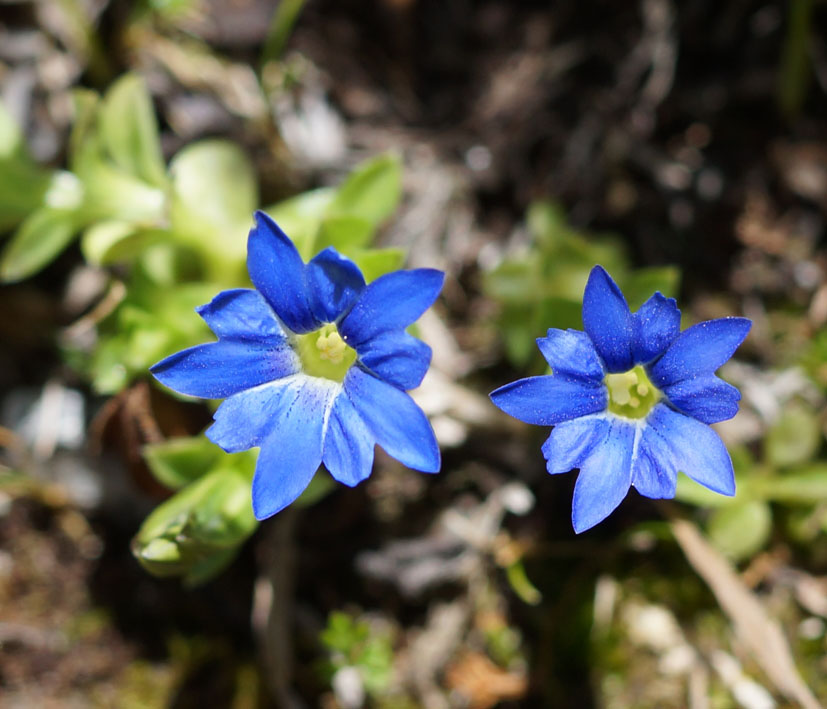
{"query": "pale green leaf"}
[(742, 529), (372, 191), (129, 130), (38, 241)]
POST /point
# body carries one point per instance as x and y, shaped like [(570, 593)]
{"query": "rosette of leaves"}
[(544, 282), (788, 477)]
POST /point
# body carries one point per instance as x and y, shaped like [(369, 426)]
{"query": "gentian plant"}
[(630, 400), (314, 365)]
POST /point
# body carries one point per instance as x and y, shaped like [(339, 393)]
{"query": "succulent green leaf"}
[(37, 242), (129, 130)]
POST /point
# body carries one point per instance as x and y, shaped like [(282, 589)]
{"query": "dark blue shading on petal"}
[(694, 448), (608, 321), (653, 472), (397, 424), (396, 357), (656, 325), (348, 444), (245, 419), (571, 442), (220, 369), (605, 476), (278, 272), (335, 283), (242, 314), (706, 398), (292, 452), (391, 302), (571, 352), (699, 350), (547, 400)]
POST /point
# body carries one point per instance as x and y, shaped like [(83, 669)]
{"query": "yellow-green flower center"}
[(324, 353), (631, 394)]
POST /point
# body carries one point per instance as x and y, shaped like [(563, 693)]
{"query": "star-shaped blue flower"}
[(630, 399), (314, 366)]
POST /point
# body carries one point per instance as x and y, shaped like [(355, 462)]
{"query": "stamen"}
[(631, 394)]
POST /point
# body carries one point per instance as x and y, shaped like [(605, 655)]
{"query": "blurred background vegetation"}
[(512, 144)]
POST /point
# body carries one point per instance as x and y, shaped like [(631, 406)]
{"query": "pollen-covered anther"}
[(331, 347), (631, 394)]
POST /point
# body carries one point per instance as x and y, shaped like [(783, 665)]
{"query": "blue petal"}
[(692, 447), (397, 357), (241, 314), (571, 352), (394, 420), (220, 369), (607, 321), (572, 441), (292, 452), (604, 477), (699, 350), (335, 283), (656, 324), (548, 400), (653, 474), (277, 271), (245, 419), (348, 445), (391, 302), (707, 399)]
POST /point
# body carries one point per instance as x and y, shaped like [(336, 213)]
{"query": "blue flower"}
[(630, 399), (314, 365)]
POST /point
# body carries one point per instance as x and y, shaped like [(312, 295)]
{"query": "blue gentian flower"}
[(314, 366), (630, 399)]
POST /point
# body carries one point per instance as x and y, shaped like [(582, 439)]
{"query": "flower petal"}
[(348, 445), (396, 422), (653, 474), (292, 452), (608, 321), (571, 352), (391, 302), (241, 314), (397, 357), (692, 447), (245, 419), (548, 400), (708, 399), (278, 272), (572, 441), (335, 283), (604, 477), (699, 350), (220, 369), (656, 325)]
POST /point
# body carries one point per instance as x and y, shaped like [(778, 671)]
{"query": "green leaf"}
[(38, 241), (521, 584), (696, 494), (805, 486), (742, 529), (300, 216), (794, 438), (23, 183), (378, 262), (214, 196), (207, 519), (178, 461), (111, 194), (372, 191), (641, 284), (345, 234), (130, 132)]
